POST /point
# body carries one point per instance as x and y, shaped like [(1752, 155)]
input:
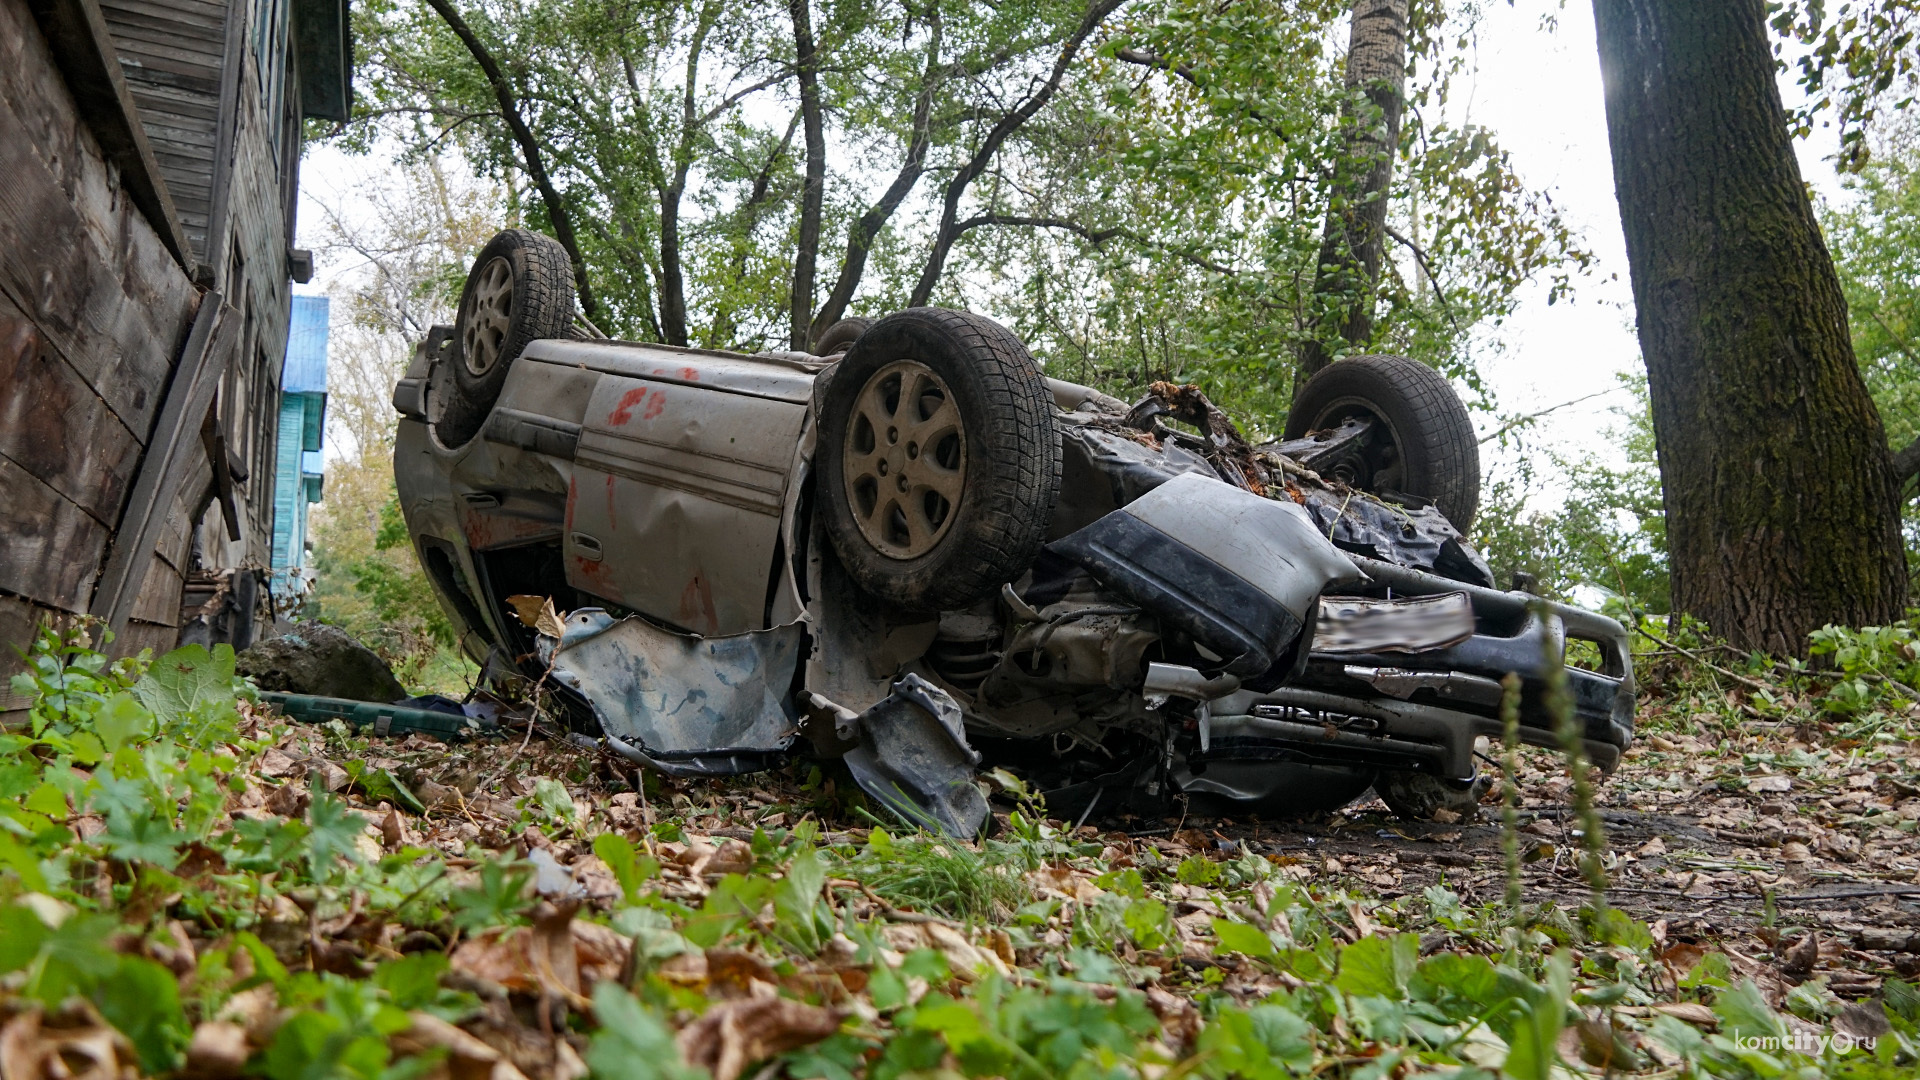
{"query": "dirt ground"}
[(1748, 838)]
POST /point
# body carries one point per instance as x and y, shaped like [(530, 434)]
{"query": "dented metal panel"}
[(676, 697), (676, 501), (768, 377)]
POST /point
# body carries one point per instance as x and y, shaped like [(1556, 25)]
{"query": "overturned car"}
[(919, 554)]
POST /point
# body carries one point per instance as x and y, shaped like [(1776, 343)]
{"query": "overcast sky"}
[(1539, 90)]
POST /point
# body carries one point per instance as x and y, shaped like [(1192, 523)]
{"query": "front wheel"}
[(939, 462)]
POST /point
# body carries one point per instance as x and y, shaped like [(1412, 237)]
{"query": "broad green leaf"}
[(1743, 1011), (1532, 1048), (1266, 1042), (335, 832), (190, 689), (633, 1043), (1148, 923), (629, 869), (1378, 966), (121, 720), (1230, 936), (47, 799), (412, 982), (142, 999), (22, 935)]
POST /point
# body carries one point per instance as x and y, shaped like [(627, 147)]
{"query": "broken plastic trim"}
[(684, 705), (914, 758)]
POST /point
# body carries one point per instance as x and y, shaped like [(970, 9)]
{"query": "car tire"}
[(519, 290), (937, 526), (1416, 796), (840, 337), (1429, 450)]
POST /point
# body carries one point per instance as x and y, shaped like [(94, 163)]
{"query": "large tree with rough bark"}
[(1361, 180), (1781, 501)]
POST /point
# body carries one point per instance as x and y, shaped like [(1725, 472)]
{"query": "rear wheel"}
[(938, 459), (840, 337), (519, 290), (1422, 443)]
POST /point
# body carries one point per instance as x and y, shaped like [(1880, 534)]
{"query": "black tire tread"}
[(1010, 492), (1444, 460), (543, 301)]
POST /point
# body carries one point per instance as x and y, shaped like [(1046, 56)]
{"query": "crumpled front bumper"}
[(1422, 711)]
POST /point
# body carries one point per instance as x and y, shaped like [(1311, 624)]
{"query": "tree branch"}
[(860, 238), (529, 149), (1096, 237), (1096, 14), (806, 255), (1420, 256), (1185, 72)]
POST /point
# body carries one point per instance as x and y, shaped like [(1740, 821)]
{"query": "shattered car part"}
[(1238, 572), (913, 756), (1203, 618), (679, 703)]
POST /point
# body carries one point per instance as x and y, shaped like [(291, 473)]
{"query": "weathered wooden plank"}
[(177, 44), (197, 10), (162, 469), (53, 547), (20, 622), (139, 635), (119, 319), (168, 93), (193, 138), (125, 18), (157, 50), (55, 427), (82, 49), (159, 599)]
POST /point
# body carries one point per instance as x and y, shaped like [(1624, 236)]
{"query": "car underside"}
[(912, 551)]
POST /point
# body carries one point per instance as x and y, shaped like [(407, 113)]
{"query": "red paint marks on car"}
[(655, 402), (690, 374), (697, 612), (613, 520), (623, 412)]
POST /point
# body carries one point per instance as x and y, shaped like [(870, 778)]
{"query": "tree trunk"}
[(861, 237), (1355, 237), (807, 253), (1781, 503)]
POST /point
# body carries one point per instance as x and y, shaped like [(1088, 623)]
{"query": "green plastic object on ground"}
[(381, 719)]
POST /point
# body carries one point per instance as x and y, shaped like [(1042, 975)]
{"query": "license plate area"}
[(1415, 624)]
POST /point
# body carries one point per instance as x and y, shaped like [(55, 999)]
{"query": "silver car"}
[(913, 551)]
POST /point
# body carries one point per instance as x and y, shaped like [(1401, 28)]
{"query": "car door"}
[(675, 504)]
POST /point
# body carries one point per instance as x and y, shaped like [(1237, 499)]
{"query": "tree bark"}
[(1780, 496), (1355, 238), (529, 150), (807, 252)]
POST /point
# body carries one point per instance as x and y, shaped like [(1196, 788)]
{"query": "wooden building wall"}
[(173, 54), (149, 150), (93, 312)]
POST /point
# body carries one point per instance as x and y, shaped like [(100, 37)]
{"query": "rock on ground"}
[(322, 660)]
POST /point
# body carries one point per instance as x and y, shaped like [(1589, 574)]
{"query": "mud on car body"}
[(917, 553)]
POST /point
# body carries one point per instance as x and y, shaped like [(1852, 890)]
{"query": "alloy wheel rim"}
[(904, 460), (490, 317)]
